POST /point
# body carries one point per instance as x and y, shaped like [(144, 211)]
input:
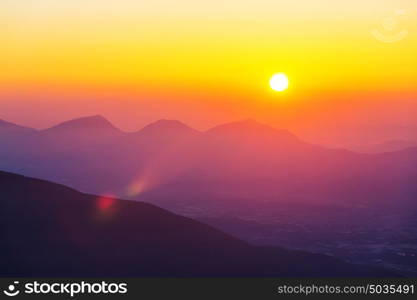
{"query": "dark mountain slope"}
[(50, 230)]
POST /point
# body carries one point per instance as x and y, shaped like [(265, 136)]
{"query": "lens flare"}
[(105, 203)]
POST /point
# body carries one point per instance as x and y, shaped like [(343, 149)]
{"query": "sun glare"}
[(279, 82)]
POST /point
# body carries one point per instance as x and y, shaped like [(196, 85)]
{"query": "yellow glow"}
[(214, 45), (279, 82)]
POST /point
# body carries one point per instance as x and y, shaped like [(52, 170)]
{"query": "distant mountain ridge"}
[(385, 146), (244, 159), (11, 128), (96, 122), (248, 125), (165, 125)]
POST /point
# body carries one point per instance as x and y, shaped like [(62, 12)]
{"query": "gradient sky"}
[(206, 62)]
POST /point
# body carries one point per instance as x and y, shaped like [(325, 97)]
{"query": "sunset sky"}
[(206, 62)]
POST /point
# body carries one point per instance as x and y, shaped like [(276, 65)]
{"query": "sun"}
[(279, 82)]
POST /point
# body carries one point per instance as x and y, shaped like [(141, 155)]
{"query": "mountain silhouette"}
[(96, 122), (244, 159), (161, 133), (252, 161), (48, 229), (4, 125), (385, 146), (249, 127), (91, 126), (13, 131), (164, 126), (12, 138)]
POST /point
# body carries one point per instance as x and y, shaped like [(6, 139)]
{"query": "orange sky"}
[(206, 62)]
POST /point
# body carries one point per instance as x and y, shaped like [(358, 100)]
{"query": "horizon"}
[(376, 140), (99, 116)]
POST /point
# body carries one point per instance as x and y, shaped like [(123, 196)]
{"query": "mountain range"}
[(168, 163), (268, 180)]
